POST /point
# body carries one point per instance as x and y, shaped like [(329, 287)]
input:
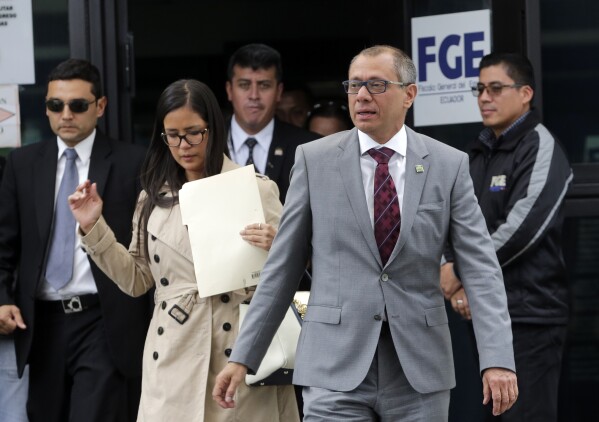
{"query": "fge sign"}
[(446, 50)]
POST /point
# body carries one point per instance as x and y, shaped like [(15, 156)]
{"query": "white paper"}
[(215, 210), (16, 42)]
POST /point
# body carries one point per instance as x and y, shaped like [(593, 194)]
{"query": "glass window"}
[(569, 43)]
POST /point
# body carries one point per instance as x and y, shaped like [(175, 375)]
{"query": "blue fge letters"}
[(462, 66)]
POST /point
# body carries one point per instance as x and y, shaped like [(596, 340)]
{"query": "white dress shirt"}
[(83, 279), (240, 151), (397, 166)]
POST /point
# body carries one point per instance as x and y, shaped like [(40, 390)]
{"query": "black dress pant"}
[(72, 375)]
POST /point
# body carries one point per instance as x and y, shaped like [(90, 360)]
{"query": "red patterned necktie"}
[(386, 205)]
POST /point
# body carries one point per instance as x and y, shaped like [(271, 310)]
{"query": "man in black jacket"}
[(521, 175), (82, 337)]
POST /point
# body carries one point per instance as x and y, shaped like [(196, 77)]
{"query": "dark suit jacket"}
[(2, 164), (26, 213), (281, 153)]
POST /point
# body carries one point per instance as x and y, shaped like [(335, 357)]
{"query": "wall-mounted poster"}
[(446, 50)]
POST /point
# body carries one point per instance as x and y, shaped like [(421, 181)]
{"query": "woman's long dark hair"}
[(160, 171)]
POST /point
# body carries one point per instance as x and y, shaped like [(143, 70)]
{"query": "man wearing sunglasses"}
[(373, 207), (521, 175), (82, 337)]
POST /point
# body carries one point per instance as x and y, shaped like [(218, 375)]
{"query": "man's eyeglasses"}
[(494, 89), (78, 105), (374, 86), (193, 137)]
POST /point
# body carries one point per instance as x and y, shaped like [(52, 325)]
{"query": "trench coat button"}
[(163, 306), (153, 237), (385, 277), (155, 355), (225, 298), (156, 258), (226, 326), (164, 281), (377, 317), (228, 352), (160, 331)]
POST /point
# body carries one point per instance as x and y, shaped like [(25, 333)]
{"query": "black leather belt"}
[(72, 305)]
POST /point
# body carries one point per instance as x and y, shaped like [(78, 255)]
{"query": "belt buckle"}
[(178, 314), (72, 305)]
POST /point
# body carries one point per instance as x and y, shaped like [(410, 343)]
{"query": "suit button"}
[(164, 281), (156, 259), (225, 298), (160, 331), (228, 352), (226, 326), (153, 237), (163, 305), (377, 317), (385, 277), (155, 355)]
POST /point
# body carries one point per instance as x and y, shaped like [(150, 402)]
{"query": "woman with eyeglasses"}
[(190, 338)]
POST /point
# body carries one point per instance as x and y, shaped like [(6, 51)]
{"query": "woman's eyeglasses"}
[(192, 137)]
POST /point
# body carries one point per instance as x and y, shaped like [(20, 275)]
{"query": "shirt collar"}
[(487, 136), (398, 143), (83, 148), (239, 136)]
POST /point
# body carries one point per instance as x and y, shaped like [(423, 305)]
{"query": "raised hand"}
[(86, 205)]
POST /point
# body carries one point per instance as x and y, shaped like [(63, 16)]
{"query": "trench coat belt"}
[(187, 294)]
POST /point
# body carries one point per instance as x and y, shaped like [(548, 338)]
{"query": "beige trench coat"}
[(181, 361)]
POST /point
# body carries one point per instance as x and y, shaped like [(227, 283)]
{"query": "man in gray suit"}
[(375, 343)]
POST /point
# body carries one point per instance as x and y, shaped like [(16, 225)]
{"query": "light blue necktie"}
[(59, 269)]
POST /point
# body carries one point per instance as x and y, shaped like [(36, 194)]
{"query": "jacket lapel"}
[(44, 175), (351, 175), (415, 176), (100, 163), (276, 154)]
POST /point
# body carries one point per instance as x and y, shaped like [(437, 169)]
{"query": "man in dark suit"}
[(82, 337), (254, 88)]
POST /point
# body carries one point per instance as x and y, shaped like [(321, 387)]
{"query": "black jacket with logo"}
[(520, 184)]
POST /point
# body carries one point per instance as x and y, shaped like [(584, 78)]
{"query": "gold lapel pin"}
[(419, 168)]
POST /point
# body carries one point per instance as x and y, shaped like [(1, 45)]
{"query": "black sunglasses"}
[(78, 105)]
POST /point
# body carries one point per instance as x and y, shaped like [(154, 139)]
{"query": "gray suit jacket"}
[(326, 219)]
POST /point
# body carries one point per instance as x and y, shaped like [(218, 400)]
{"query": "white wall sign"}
[(16, 42), (10, 127), (446, 50)]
